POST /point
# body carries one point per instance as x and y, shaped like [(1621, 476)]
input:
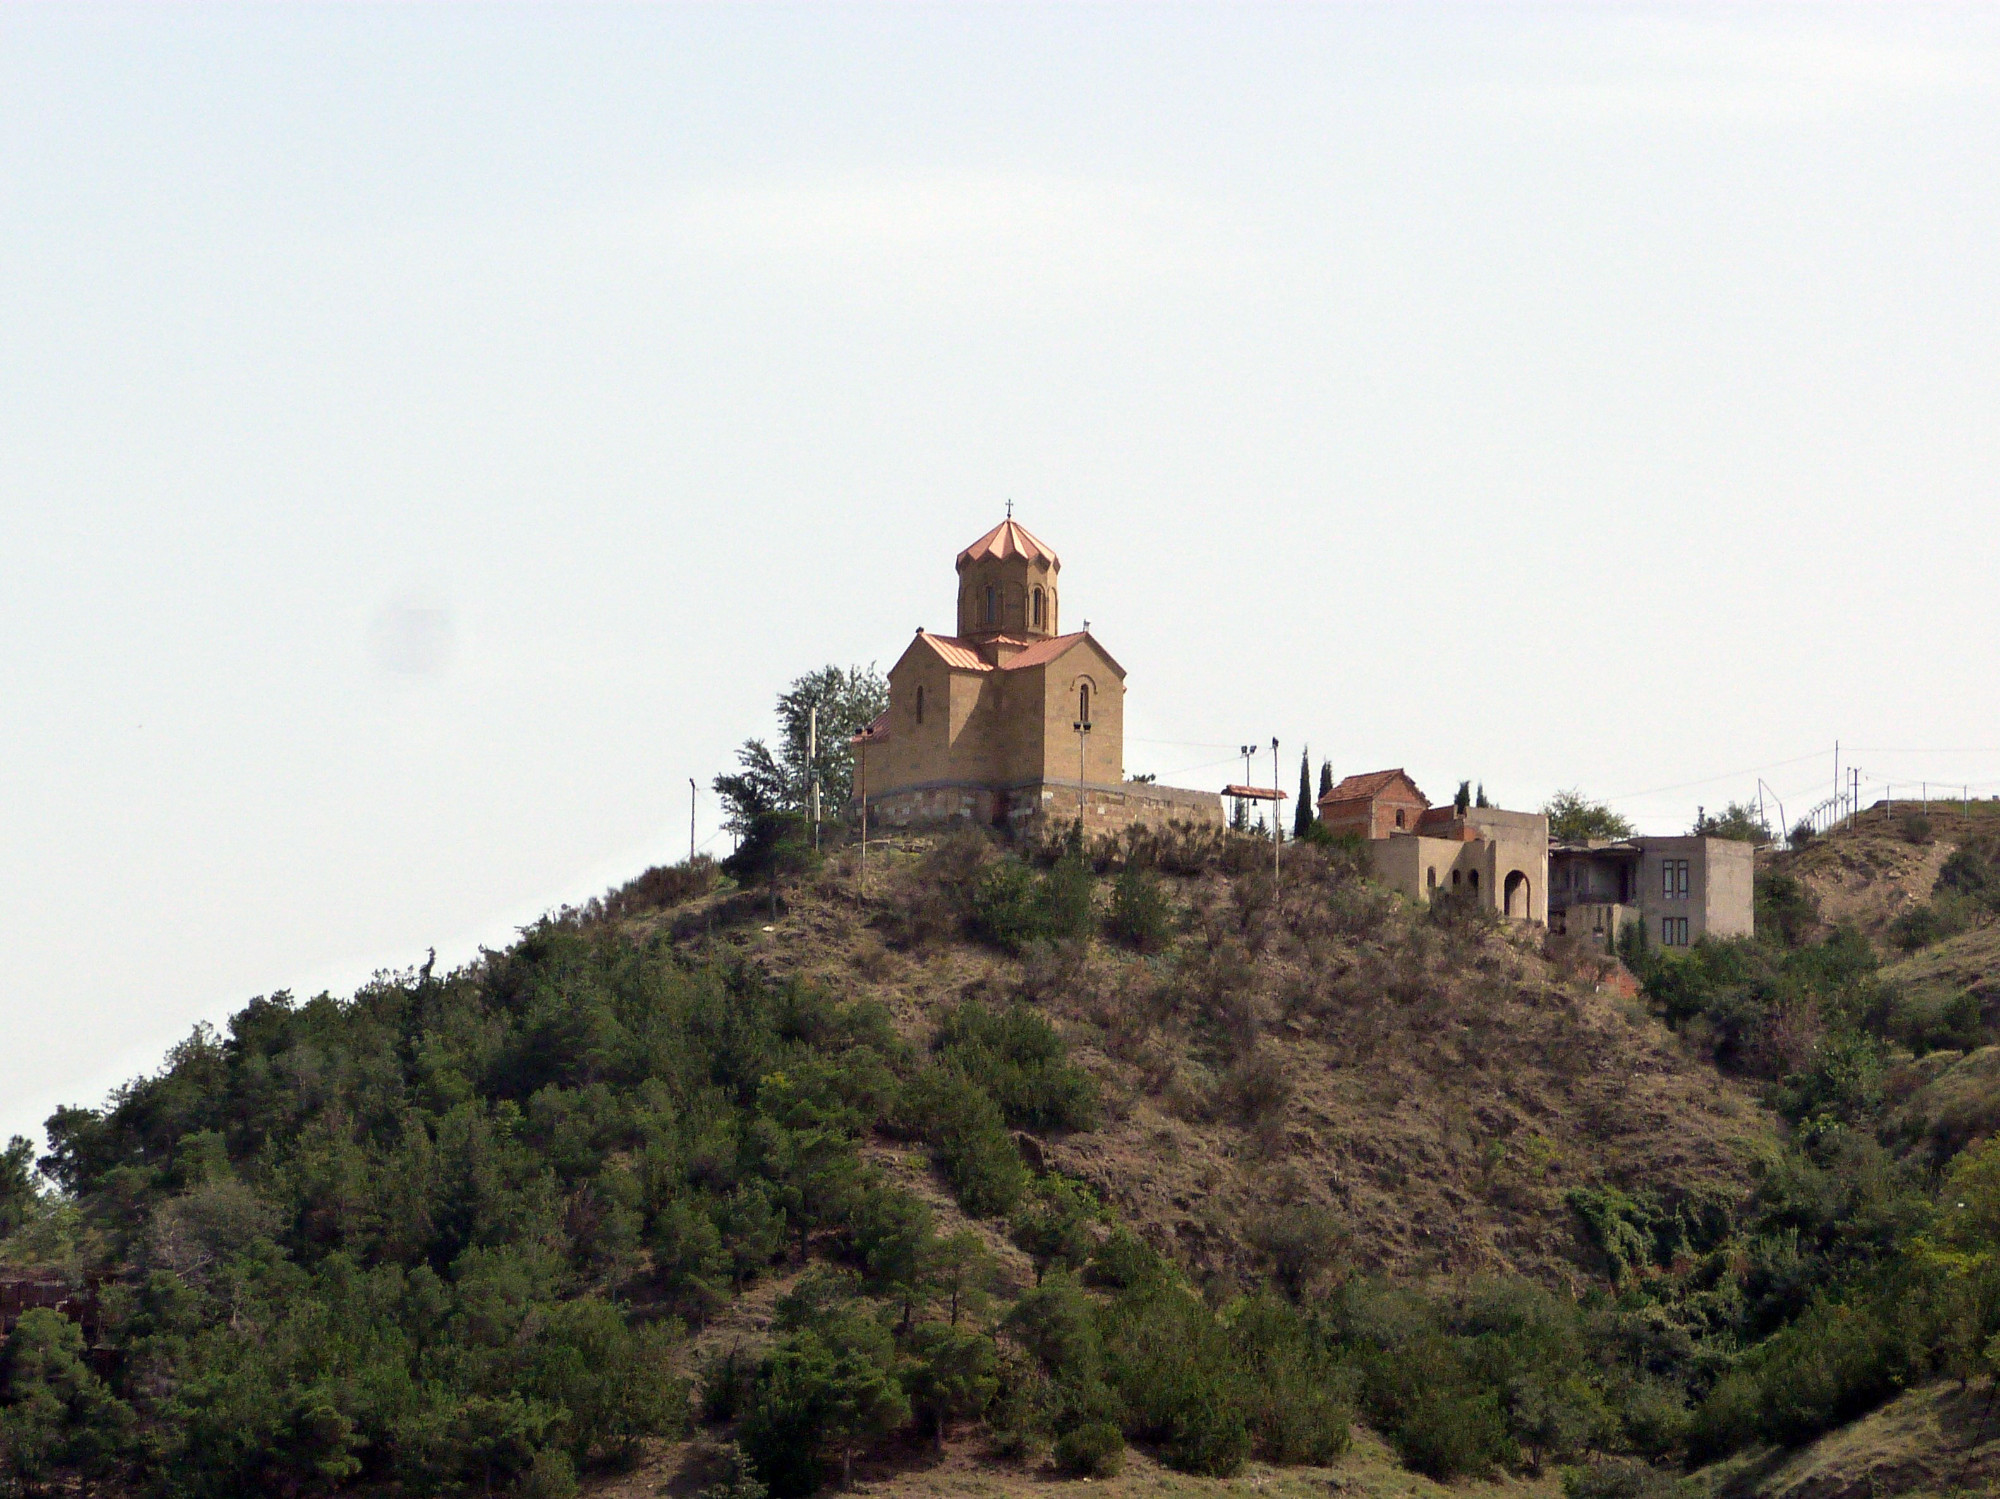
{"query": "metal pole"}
[(864, 819), (1277, 785), (690, 820), (812, 768)]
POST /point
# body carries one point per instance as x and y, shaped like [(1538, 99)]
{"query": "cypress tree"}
[(1463, 801), (1303, 819), (1325, 777)]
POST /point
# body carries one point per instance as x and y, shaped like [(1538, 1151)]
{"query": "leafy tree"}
[(774, 781), (1058, 1228), (1573, 817), (1739, 820)]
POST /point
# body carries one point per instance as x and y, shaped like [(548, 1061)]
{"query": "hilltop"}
[(1037, 1162)]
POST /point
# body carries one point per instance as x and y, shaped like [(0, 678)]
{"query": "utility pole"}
[(1277, 830), (1837, 782), (812, 768), (1246, 750), (864, 819), (690, 821), (1082, 727)]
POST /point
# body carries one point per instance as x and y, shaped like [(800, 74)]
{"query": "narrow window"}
[(1431, 878), (1667, 879), (920, 705), (1399, 817), (1083, 703), (989, 605), (1683, 879), (1666, 931), (1454, 876), (1473, 879), (1038, 608)]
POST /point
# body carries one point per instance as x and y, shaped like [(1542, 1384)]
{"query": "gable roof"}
[(957, 654), (1008, 539), (1372, 784), (1042, 652), (878, 728)]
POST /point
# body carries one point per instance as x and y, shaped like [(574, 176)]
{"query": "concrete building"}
[(1501, 859), (1683, 889), (1008, 719)]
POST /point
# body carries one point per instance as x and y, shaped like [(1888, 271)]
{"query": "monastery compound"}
[(1008, 721)]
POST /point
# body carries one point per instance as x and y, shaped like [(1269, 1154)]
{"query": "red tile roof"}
[(1257, 793), (877, 729), (1374, 783), (1008, 539)]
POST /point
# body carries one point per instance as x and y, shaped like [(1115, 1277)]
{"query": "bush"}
[(1917, 828), (1621, 1478), (1011, 906), (1140, 914), (1933, 921), (969, 1138), (1021, 1062), (1095, 1449)]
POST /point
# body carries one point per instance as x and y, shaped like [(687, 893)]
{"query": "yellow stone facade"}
[(1009, 718)]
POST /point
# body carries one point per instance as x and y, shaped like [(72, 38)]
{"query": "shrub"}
[(1622, 1478), (969, 1137), (1020, 1060), (1140, 915), (1096, 1449), (1933, 921), (1917, 828)]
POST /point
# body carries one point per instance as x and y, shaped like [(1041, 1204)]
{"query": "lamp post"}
[(1082, 727), (1277, 783)]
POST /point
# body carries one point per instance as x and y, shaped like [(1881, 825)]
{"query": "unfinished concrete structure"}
[(1007, 719), (1682, 889), (1500, 859)]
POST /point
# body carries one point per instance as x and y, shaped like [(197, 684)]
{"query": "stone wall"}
[(1105, 809)]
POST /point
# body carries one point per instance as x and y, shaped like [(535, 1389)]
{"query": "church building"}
[(1007, 718)]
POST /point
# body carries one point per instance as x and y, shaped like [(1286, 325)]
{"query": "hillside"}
[(1125, 1164)]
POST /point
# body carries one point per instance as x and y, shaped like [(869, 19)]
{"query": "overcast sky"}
[(430, 436)]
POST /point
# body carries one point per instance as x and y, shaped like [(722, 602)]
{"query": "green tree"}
[(17, 1184), (953, 1376), (1325, 777), (1739, 820), (1462, 802), (781, 780), (1574, 817), (960, 1269), (825, 1393), (893, 1238), (55, 1413), (1302, 815), (1058, 1229)]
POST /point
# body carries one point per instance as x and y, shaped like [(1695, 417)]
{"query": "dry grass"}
[(1937, 1441), (1368, 1471), (1432, 1092)]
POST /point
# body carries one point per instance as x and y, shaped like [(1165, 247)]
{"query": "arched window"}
[(920, 705), (1038, 608), (990, 604), (1473, 879), (1399, 817), (1454, 877), (1431, 879), (1083, 703)]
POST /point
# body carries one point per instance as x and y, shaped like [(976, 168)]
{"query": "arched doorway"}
[(1516, 902)]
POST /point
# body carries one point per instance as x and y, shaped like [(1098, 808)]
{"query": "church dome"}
[(1005, 542)]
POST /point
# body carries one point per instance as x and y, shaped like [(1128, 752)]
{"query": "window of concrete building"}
[(1674, 931), (1516, 900), (1399, 817), (1472, 879), (1674, 879), (1454, 876), (920, 705), (1431, 878)]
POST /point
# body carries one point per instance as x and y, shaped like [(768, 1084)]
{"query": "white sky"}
[(429, 436)]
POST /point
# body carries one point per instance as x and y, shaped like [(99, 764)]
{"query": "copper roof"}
[(1008, 539), (956, 653), (878, 728), (1374, 783), (1044, 651)]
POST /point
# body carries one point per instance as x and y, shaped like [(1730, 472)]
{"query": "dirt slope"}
[(1432, 1095), (1935, 1441)]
